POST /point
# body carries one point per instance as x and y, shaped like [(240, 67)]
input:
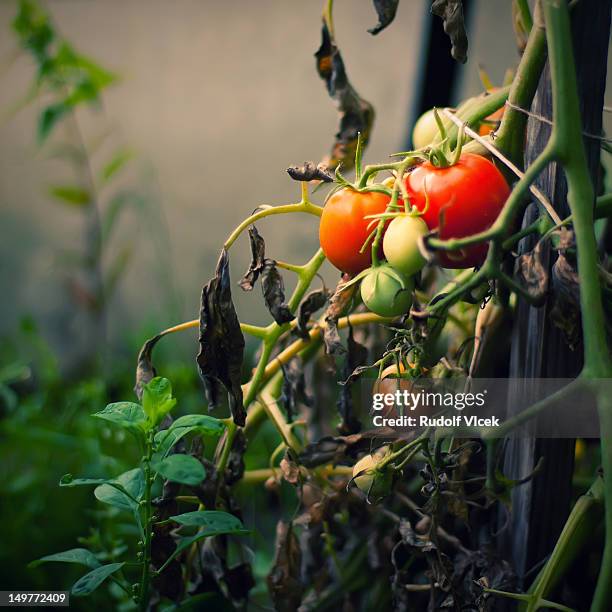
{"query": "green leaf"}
[(206, 424), (185, 543), (214, 521), (88, 583), (184, 469), (67, 480), (81, 556), (83, 68), (71, 195), (117, 163), (124, 492), (157, 399), (125, 414), (49, 118), (33, 26), (167, 438)]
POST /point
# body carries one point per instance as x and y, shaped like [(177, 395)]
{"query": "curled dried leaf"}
[(356, 114), (284, 578), (356, 358), (451, 13), (218, 574), (338, 304), (145, 370), (273, 288), (385, 9), (338, 449), (294, 389), (565, 313), (258, 259), (235, 463), (311, 172), (289, 468), (314, 301), (533, 273), (221, 342)]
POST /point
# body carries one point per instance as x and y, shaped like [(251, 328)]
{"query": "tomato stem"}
[(358, 157), (145, 579)]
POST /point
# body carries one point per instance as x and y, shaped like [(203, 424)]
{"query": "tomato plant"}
[(344, 227), (459, 200)]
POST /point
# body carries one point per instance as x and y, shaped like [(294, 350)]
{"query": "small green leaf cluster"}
[(131, 491)]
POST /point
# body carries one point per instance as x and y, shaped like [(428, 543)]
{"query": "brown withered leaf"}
[(221, 342), (284, 577), (145, 370), (338, 304), (565, 313), (289, 468), (474, 569), (233, 583), (311, 172), (532, 272), (235, 463), (356, 114), (314, 301), (386, 10), (357, 356), (294, 389), (336, 449), (273, 289), (451, 13), (258, 257)]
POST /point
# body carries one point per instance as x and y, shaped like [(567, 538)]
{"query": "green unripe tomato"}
[(387, 292), (400, 243), (375, 483), (425, 130)]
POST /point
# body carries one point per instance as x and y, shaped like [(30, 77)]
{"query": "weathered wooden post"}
[(539, 349)]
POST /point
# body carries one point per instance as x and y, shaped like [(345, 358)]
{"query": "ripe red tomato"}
[(343, 229), (464, 199)]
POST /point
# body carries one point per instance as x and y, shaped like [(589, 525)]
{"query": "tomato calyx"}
[(441, 155), (343, 183)]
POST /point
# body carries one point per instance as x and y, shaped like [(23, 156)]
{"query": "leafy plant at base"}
[(133, 490)]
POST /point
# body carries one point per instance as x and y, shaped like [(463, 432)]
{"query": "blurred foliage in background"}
[(46, 401)]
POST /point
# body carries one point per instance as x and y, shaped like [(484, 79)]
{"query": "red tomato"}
[(343, 229), (464, 199)]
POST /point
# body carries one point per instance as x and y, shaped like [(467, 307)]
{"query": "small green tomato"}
[(425, 130), (375, 483), (400, 243), (387, 292)]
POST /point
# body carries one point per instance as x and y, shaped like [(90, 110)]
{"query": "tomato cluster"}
[(458, 200)]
